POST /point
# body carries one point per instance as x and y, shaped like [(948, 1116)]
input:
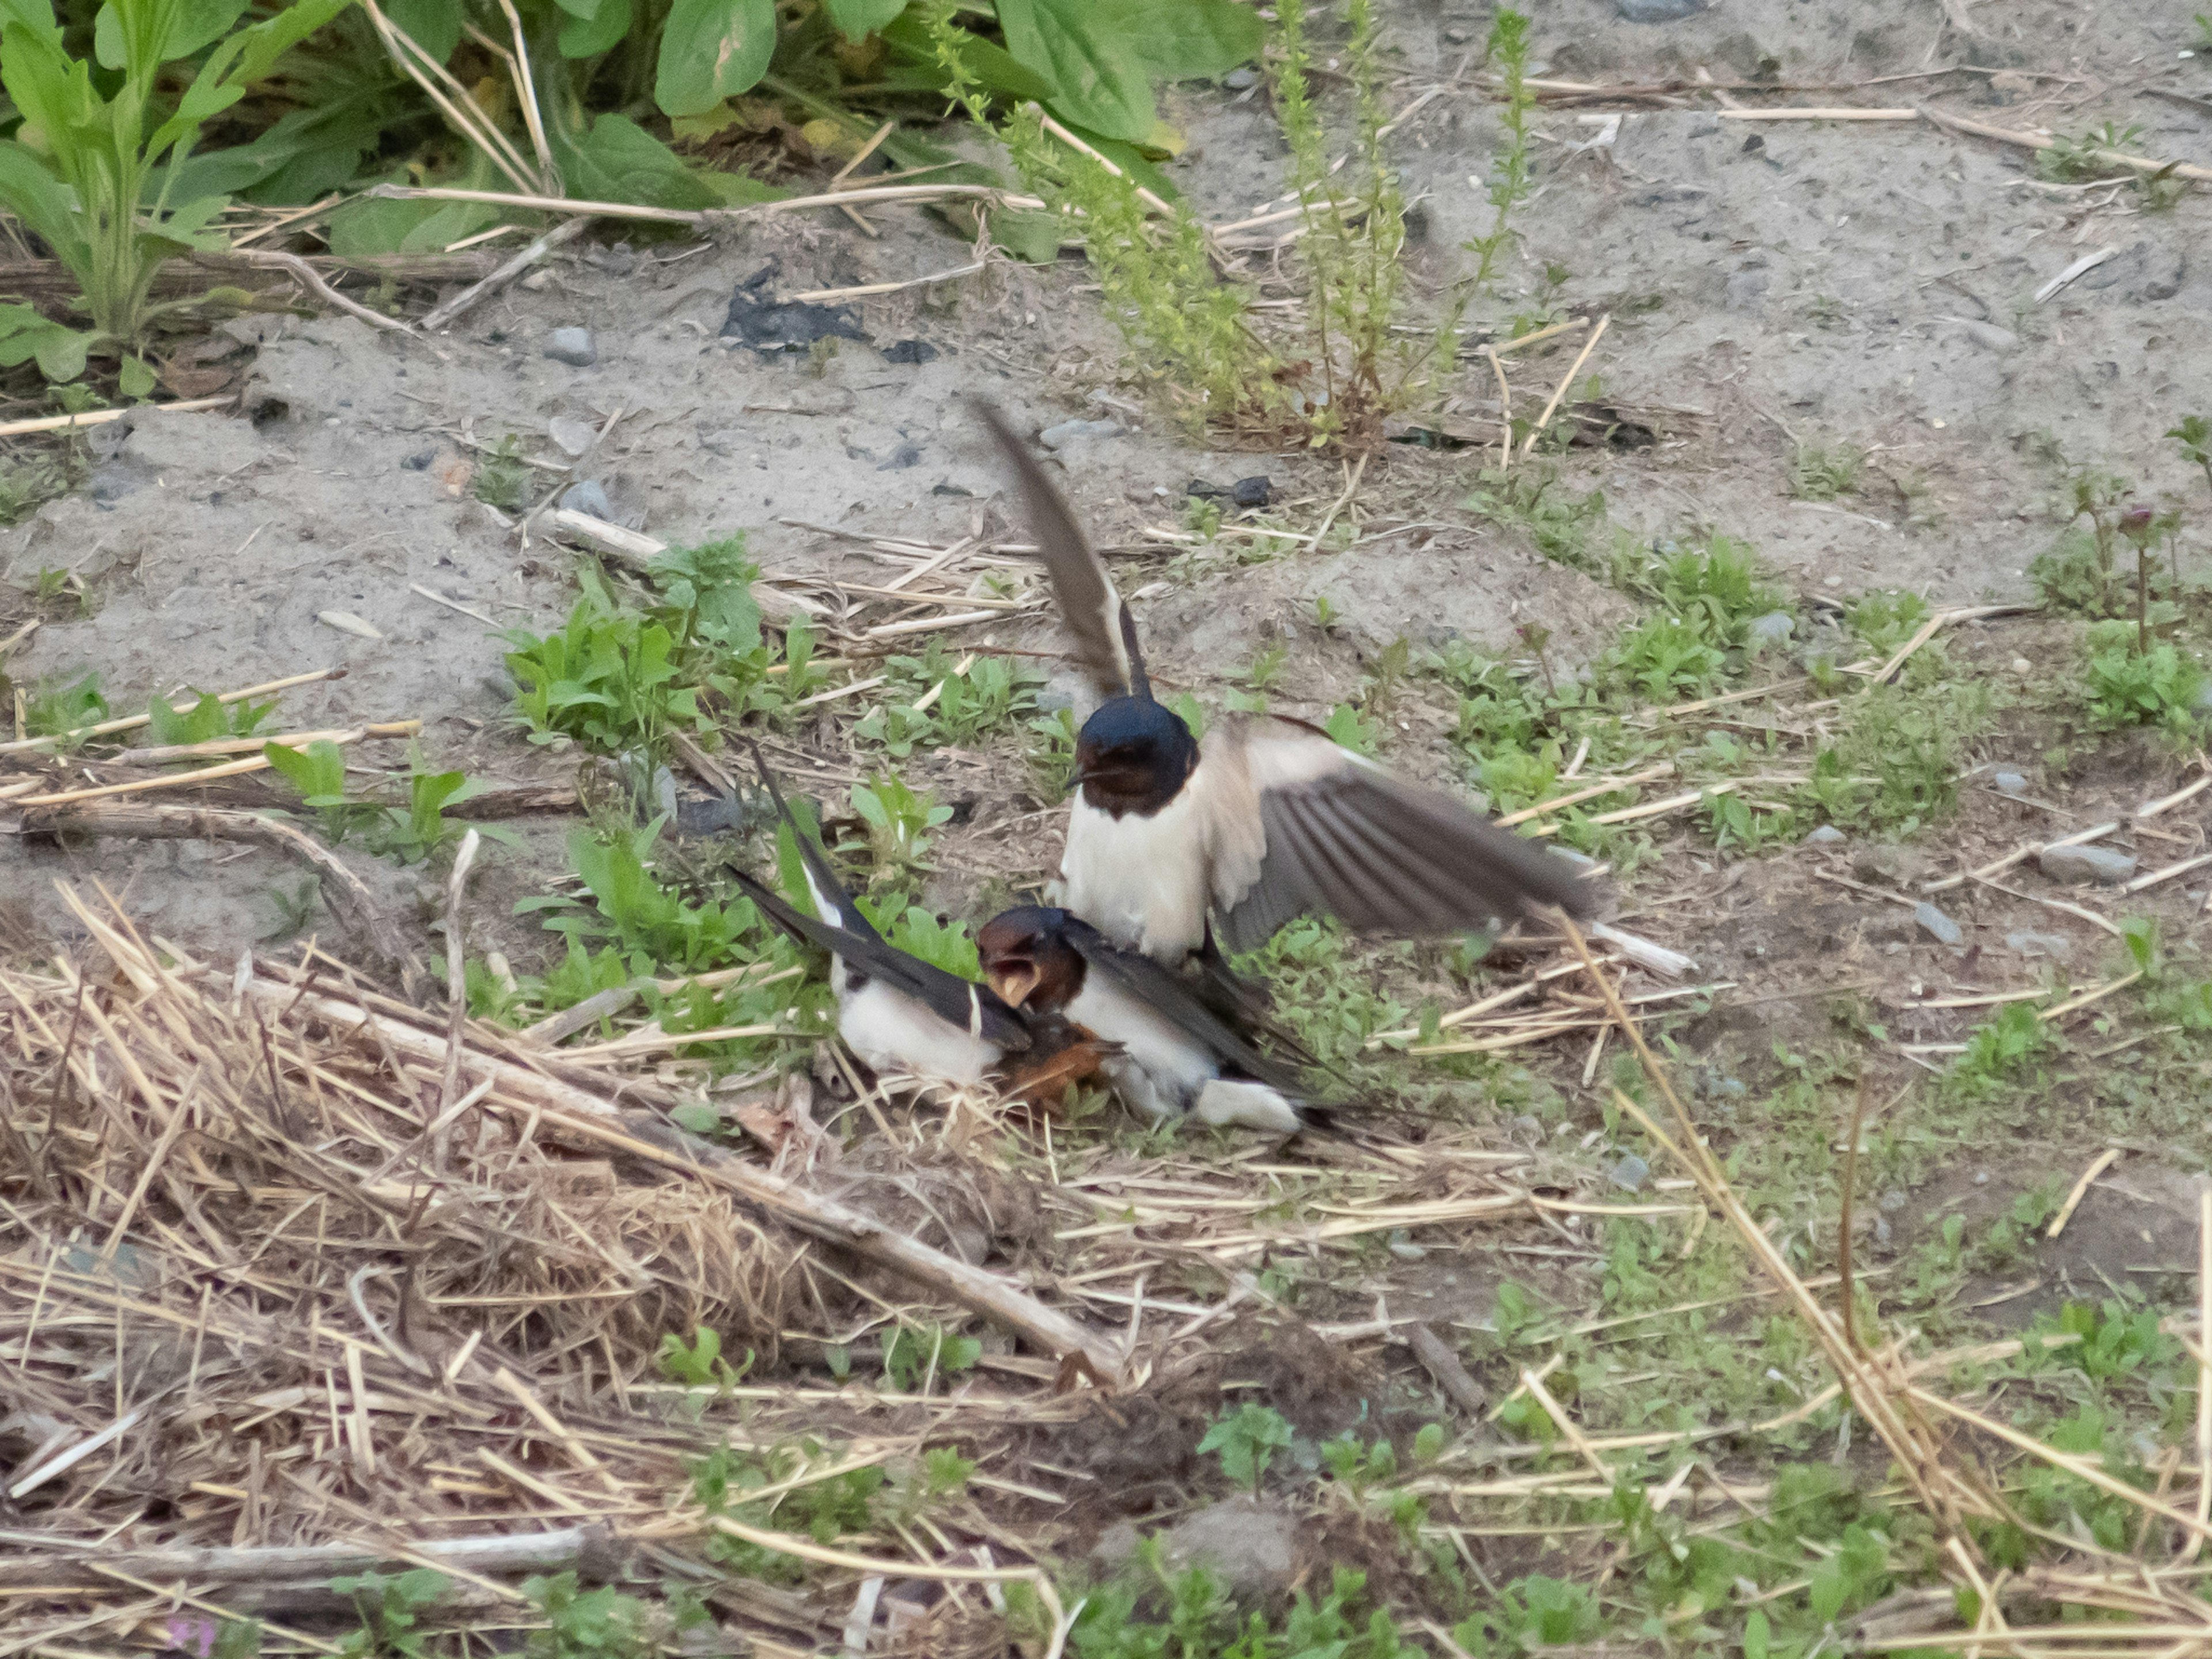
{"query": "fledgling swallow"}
[(1271, 821), (899, 1013), (1172, 1055)]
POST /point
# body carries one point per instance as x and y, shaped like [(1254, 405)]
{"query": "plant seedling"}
[(2194, 435), (391, 1609), (1246, 1441)]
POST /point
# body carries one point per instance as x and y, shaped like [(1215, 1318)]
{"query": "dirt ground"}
[(1869, 284)]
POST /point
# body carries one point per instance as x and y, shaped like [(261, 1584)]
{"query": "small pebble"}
[(1239, 80), (589, 498), (574, 436), (2077, 865), (1826, 835), (1981, 1177), (2022, 665), (2030, 943), (1775, 628), (2010, 783), (1631, 1172), (1068, 432), (1936, 925), (572, 346)]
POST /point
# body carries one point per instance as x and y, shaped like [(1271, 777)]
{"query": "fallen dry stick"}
[(101, 416)]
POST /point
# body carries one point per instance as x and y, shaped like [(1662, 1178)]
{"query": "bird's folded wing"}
[(1175, 1000), (831, 902), (973, 1008), (1298, 824), (1105, 639)]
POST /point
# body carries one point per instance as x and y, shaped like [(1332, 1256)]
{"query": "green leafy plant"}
[(1507, 52), (2006, 1046), (206, 719), (503, 477), (2075, 158), (1533, 1612), (580, 1624), (1246, 1441), (609, 680), (102, 169), (917, 1355), (318, 771), (699, 1363), (2194, 435), (822, 1508), (1821, 472), (51, 709), (391, 1611), (2129, 686), (898, 822)]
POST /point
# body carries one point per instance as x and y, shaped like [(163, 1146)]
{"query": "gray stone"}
[(588, 497), (1660, 11), (1631, 1172), (2202, 702), (1775, 628), (2029, 942), (1826, 835), (1988, 336), (2010, 783), (1251, 1546), (1936, 925), (1238, 80), (1068, 432), (574, 436), (2078, 865), (572, 346)]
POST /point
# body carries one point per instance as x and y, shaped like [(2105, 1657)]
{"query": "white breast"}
[(1159, 1071), (894, 1033), (1142, 882)]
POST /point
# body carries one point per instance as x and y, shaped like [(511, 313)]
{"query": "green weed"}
[(111, 185), (2194, 435), (1506, 53), (1882, 621), (822, 1510), (1820, 472), (699, 1363), (1246, 1441), (1201, 1622), (390, 1611), (2002, 1050), (2077, 158), (597, 1623), (608, 679), (206, 719), (898, 822), (1532, 499), (918, 1355), (2127, 685), (51, 709)]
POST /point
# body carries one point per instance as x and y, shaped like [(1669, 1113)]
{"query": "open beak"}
[(1013, 978)]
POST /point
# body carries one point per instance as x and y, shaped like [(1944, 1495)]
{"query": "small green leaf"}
[(858, 19), (711, 50), (138, 380), (590, 30)]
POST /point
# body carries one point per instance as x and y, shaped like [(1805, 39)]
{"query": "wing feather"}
[(1105, 637), (1340, 835), (959, 1002), (1177, 1001)]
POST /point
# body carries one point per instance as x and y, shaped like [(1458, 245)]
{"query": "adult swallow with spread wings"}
[(1270, 821)]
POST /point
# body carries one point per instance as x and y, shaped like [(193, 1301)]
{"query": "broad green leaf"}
[(137, 379), (432, 25), (618, 161), (994, 68), (1187, 39), (1099, 80), (25, 335), (191, 25), (711, 50), (594, 27), (858, 19), (29, 190), (1030, 236)]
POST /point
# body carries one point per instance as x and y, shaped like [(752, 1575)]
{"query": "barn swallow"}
[(1171, 1056), (899, 1013), (1171, 848)]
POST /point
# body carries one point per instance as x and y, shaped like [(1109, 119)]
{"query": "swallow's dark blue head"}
[(1027, 958), (1133, 755)]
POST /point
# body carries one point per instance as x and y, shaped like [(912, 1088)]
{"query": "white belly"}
[(1163, 1073), (1142, 882), (894, 1033), (1159, 1071)]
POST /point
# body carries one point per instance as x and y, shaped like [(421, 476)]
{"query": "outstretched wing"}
[(1301, 825), (975, 1009), (1168, 994), (1105, 634)]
